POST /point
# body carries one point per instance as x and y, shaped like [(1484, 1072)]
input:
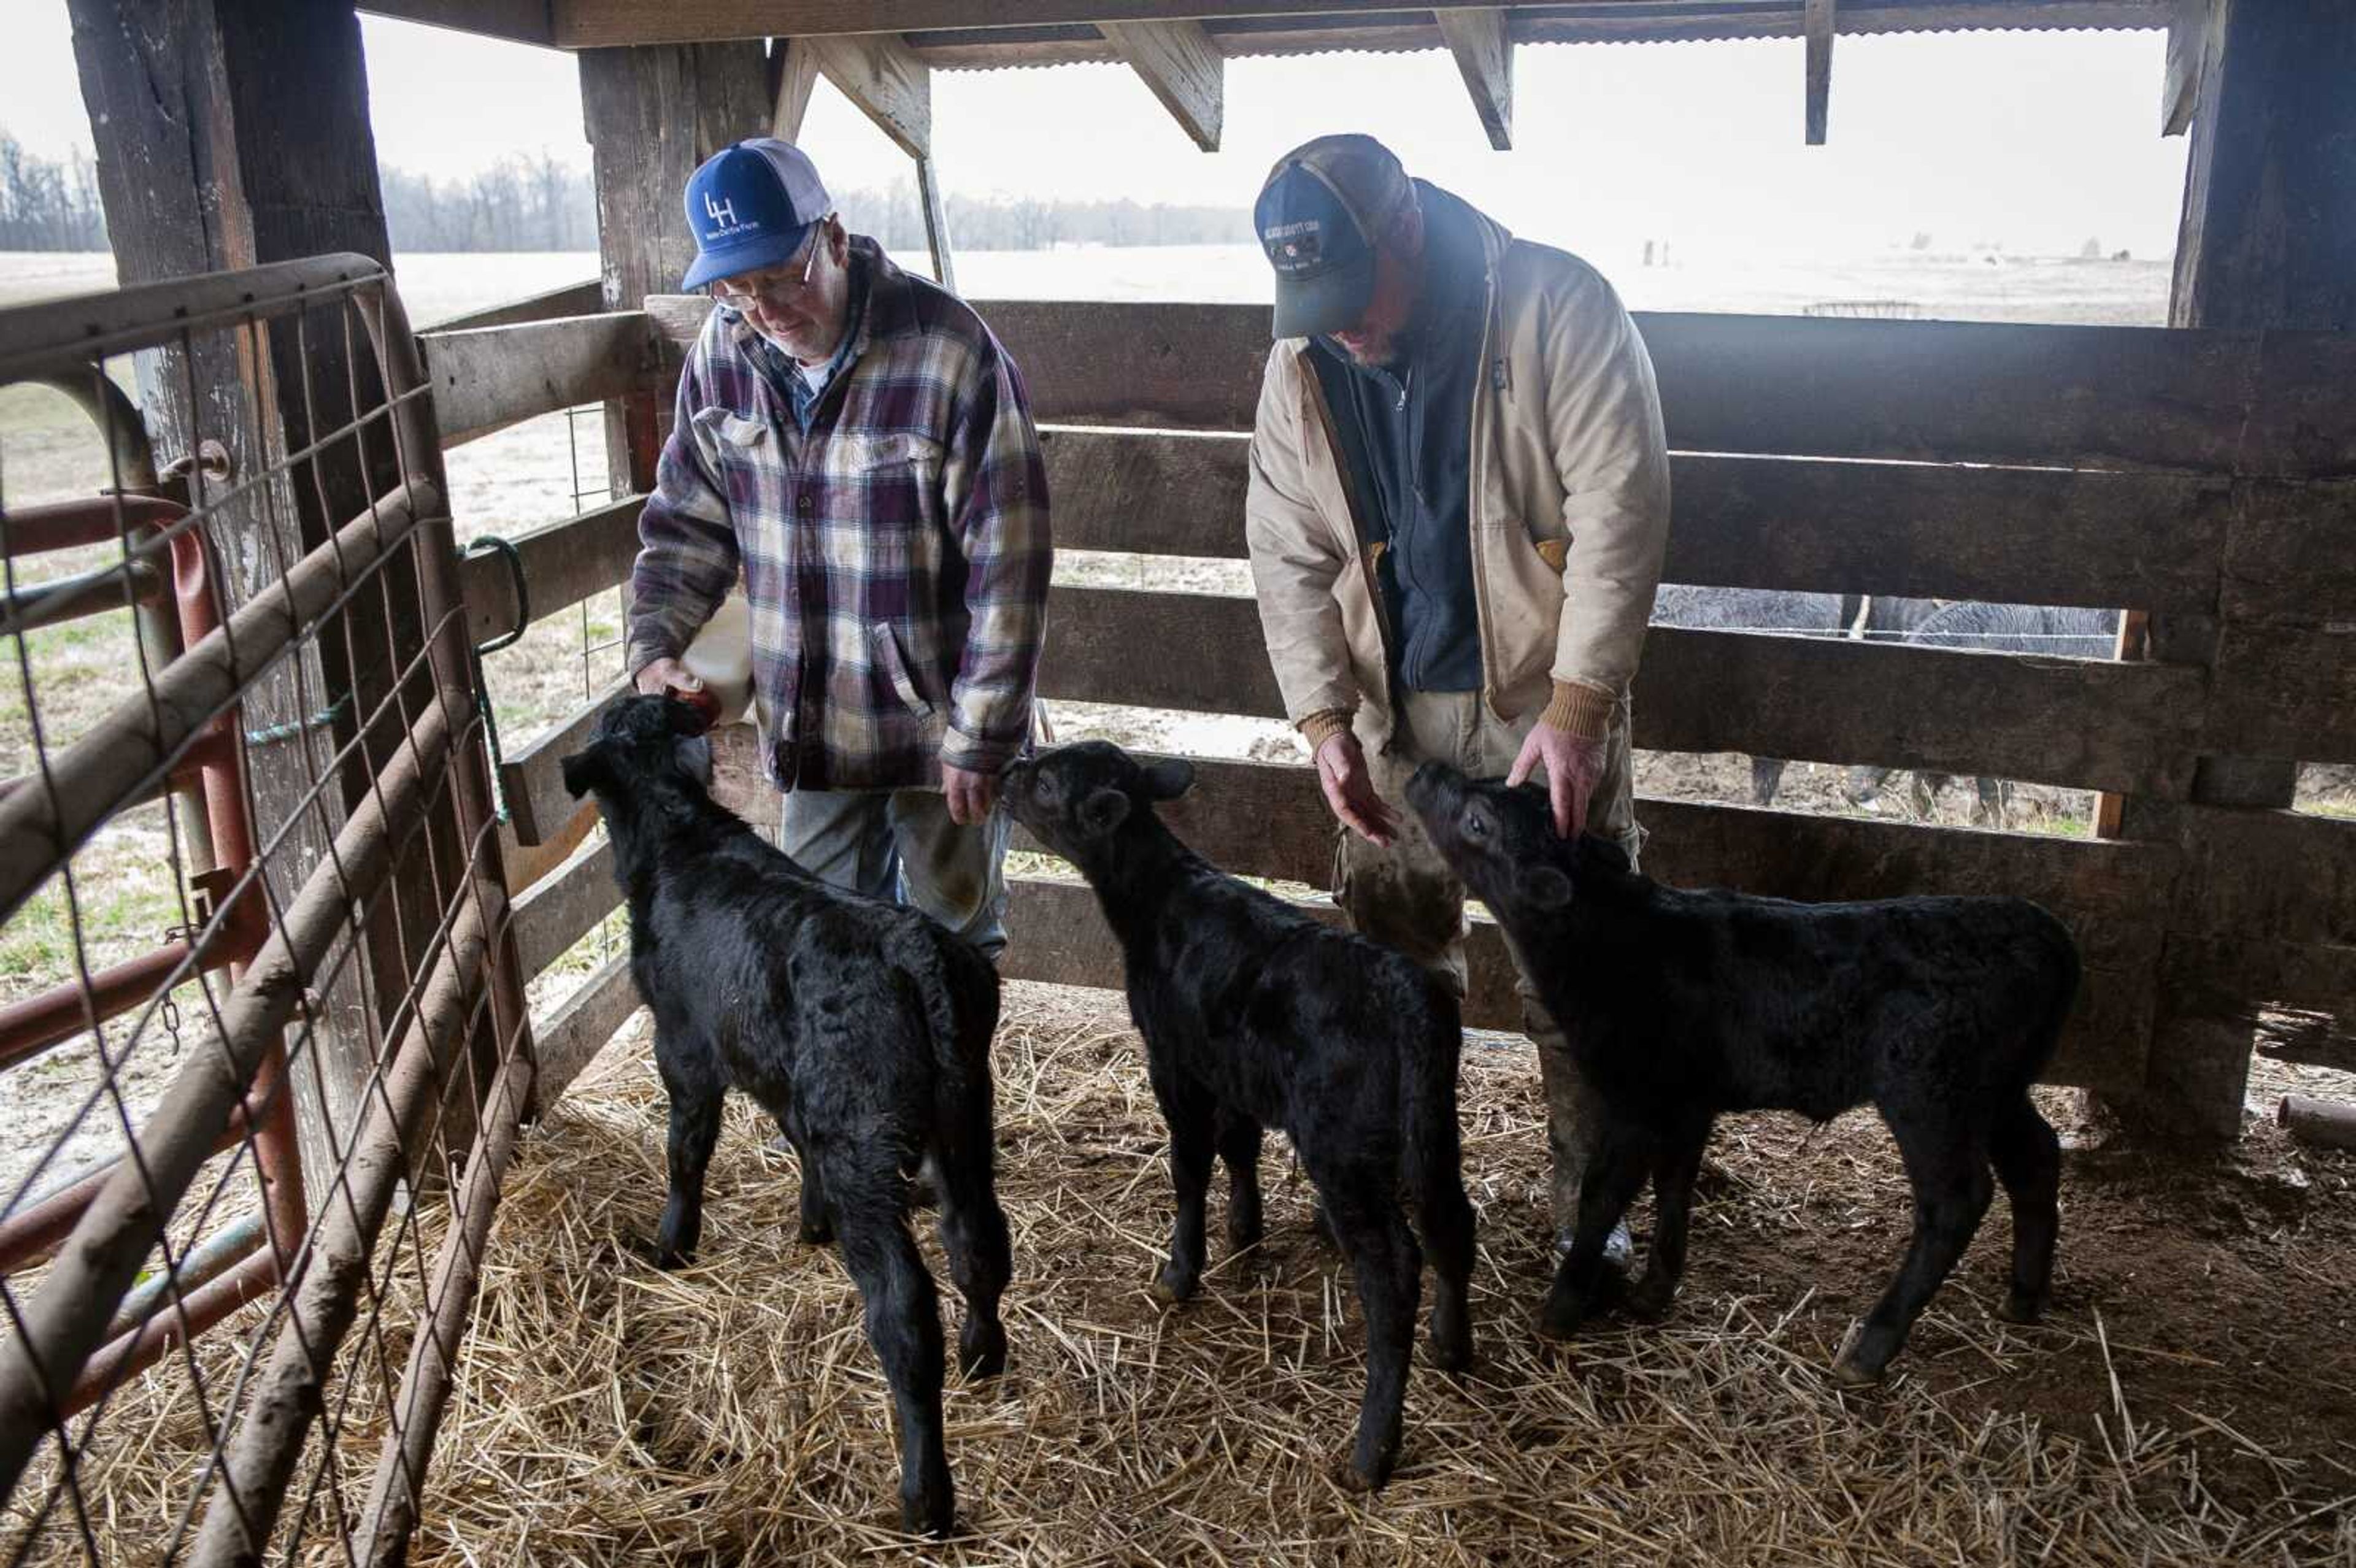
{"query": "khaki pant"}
[(1406, 897)]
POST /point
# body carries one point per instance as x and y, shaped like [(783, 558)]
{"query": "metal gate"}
[(247, 1223)]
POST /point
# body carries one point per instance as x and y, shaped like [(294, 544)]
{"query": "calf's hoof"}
[(1450, 1352), (929, 1513), (816, 1232), (1561, 1317), (2020, 1306), (1853, 1368), (1852, 1374), (1649, 1301), (982, 1351), (1173, 1286), (1347, 1474)]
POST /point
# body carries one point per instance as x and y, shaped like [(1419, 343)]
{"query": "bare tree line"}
[(540, 202), (46, 205)]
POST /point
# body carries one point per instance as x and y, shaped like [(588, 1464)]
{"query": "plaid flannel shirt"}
[(895, 557)]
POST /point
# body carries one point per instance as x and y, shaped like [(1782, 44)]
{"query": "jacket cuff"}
[(1321, 726), (645, 647), (1581, 710), (959, 750)]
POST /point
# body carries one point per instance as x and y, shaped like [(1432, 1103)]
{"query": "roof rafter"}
[(1485, 57), (1183, 67)]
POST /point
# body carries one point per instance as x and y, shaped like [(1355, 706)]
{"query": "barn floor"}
[(2192, 1399)]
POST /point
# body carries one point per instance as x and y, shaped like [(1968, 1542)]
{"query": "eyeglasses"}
[(776, 285)]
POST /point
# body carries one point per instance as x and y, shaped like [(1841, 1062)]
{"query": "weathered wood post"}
[(230, 134), (2267, 240)]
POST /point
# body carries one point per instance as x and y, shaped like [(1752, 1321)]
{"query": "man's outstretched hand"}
[(970, 795), (1574, 765), (1349, 789)]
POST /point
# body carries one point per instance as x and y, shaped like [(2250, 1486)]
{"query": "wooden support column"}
[(1184, 69), (652, 114), (1817, 23), (230, 134), (2267, 240), (1485, 58)]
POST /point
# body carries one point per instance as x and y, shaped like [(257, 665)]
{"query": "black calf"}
[(1941, 1012), (1255, 1015), (862, 1027)]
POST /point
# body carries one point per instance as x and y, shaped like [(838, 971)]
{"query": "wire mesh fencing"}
[(262, 1047)]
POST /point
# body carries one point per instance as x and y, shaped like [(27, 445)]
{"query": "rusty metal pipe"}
[(37, 1023), (251, 1279), (59, 1327), (40, 827), (261, 1456), (424, 1393), (64, 335), (199, 1265), (133, 583), (32, 1233)]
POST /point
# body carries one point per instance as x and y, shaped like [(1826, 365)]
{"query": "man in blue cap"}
[(853, 442), (1458, 500)]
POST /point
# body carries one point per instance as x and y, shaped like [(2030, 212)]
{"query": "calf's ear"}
[(1168, 779), (584, 771), (1545, 887), (695, 758), (1103, 810)]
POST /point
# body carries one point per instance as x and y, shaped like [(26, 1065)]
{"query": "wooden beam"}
[(1183, 67), (889, 85), (581, 1027), (1927, 391), (1485, 58), (2086, 724), (526, 864), (533, 777), (2188, 43), (517, 21), (565, 907), (591, 24), (2044, 536), (583, 298), (488, 378), (793, 63), (563, 564), (1817, 21)]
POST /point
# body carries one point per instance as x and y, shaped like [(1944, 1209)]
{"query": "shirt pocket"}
[(744, 453), (881, 510)]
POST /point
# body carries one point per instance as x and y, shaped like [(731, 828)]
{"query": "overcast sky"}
[(2036, 140)]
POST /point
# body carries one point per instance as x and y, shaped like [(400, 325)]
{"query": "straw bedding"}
[(733, 1412)]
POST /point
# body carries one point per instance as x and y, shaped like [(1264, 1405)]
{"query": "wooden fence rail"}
[(2204, 478)]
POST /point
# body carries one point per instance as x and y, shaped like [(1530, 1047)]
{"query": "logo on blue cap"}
[(750, 206)]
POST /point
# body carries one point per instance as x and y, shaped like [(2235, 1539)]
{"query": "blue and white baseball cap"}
[(750, 206)]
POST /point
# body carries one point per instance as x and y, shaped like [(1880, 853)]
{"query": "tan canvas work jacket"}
[(1570, 510)]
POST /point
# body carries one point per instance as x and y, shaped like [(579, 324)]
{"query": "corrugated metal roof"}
[(1576, 21)]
